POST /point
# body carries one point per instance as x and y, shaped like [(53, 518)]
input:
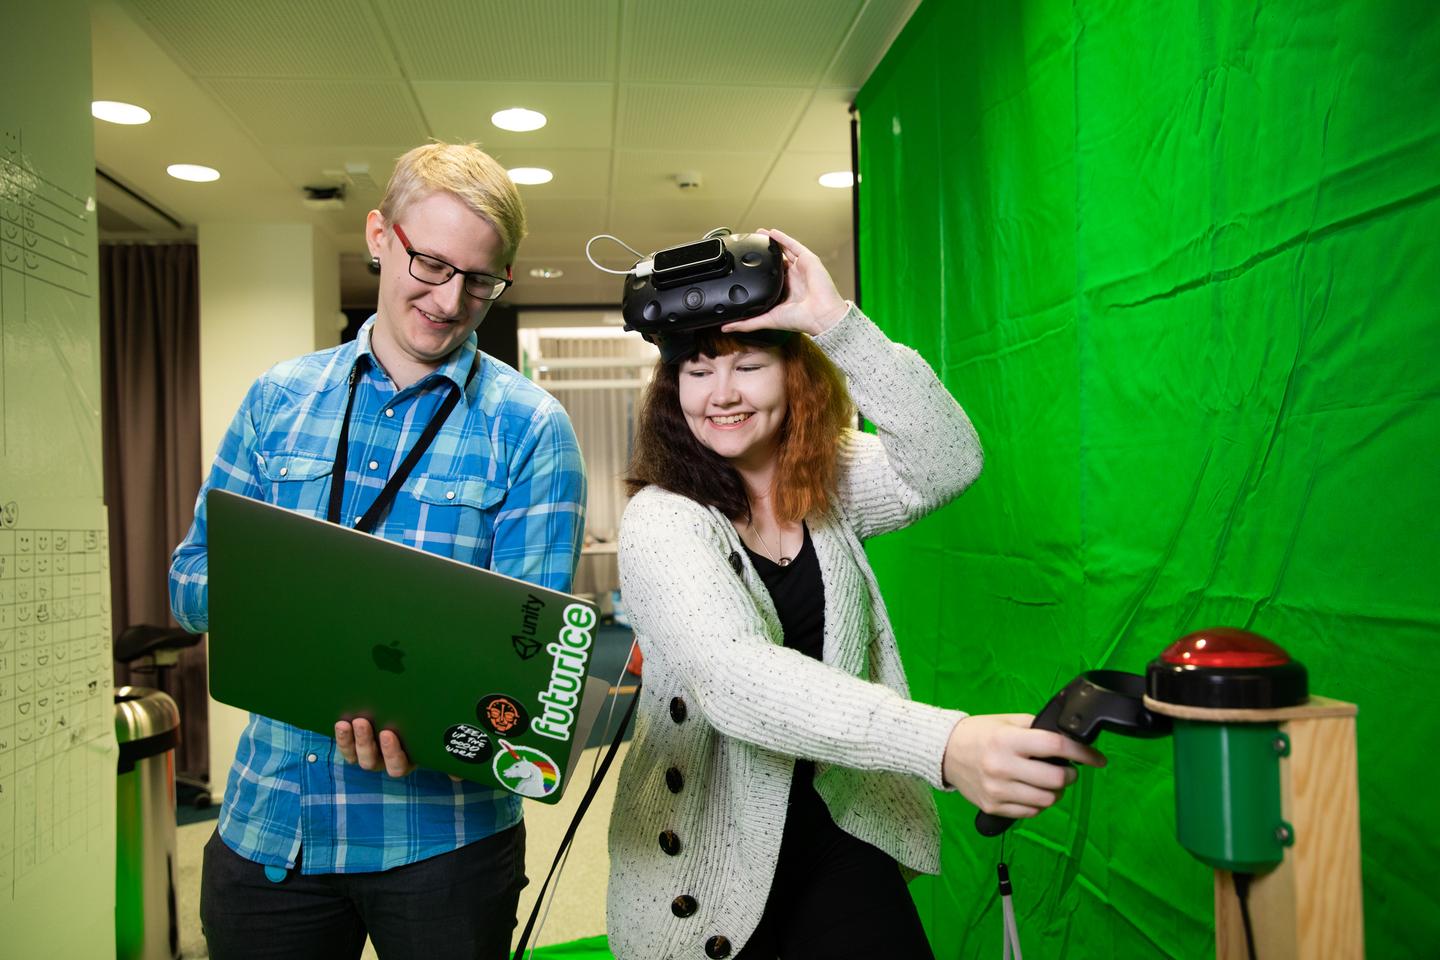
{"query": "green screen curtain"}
[(1179, 262)]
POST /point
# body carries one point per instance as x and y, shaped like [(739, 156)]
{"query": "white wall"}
[(329, 321), (268, 292)]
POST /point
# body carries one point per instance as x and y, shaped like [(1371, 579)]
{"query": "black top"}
[(799, 596)]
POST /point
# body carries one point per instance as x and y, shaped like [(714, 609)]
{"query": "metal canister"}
[(147, 725)]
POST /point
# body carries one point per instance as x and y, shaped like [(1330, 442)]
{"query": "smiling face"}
[(417, 324), (735, 404)]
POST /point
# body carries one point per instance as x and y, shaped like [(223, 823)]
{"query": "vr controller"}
[(1094, 701), (704, 284)]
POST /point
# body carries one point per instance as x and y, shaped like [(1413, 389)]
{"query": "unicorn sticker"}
[(526, 771)]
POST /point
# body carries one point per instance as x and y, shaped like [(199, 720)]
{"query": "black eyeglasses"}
[(434, 271)]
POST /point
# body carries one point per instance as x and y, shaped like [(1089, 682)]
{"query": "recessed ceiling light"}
[(531, 175), (546, 273), (113, 111), (838, 179), (193, 172), (518, 119)]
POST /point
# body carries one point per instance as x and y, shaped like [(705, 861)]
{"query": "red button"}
[(1225, 647)]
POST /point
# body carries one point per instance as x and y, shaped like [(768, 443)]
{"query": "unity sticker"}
[(526, 642), (525, 770)]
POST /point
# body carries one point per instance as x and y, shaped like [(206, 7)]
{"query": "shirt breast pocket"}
[(297, 481), (456, 516)]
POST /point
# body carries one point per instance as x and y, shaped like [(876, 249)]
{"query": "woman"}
[(779, 772)]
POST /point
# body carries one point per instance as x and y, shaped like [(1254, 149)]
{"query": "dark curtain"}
[(150, 380)]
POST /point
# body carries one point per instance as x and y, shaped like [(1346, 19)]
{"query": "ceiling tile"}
[(752, 94), (655, 226), (826, 123), (820, 225), (725, 118), (318, 112), (128, 63), (578, 173), (503, 40), (877, 28), (796, 177), (579, 114), (269, 38), (649, 175), (327, 165), (738, 41), (560, 227)]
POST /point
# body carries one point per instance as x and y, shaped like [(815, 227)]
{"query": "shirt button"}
[(373, 464), (674, 780), (670, 842), (677, 710), (449, 494), (389, 412), (683, 906), (284, 471), (312, 758), (717, 948)]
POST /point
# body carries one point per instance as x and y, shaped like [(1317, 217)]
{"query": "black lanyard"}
[(371, 517)]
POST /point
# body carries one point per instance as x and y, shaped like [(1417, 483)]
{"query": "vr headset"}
[(703, 284)]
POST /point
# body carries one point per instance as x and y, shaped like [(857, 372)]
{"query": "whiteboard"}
[(57, 742)]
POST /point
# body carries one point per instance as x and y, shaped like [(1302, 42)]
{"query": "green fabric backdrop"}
[(1179, 262)]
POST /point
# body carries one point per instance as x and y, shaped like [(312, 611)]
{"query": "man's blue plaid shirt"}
[(502, 486)]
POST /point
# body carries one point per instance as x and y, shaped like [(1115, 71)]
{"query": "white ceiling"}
[(279, 94)]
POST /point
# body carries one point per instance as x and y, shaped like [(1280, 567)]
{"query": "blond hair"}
[(467, 172)]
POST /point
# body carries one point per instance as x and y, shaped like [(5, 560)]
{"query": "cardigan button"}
[(735, 563), (677, 710), (683, 905), (670, 842), (674, 780), (717, 948)]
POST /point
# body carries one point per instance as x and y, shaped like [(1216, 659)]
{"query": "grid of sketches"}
[(56, 705)]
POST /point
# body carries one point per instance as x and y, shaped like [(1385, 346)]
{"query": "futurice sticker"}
[(571, 650)]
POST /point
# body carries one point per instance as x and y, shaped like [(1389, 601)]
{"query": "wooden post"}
[(1309, 907)]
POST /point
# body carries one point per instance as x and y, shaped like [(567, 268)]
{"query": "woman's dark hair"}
[(667, 454)]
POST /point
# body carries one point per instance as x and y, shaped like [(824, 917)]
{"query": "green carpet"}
[(588, 948)]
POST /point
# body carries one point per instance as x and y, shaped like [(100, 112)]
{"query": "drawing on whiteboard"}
[(43, 240), (55, 683)]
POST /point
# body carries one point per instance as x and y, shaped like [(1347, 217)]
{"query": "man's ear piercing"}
[(374, 265)]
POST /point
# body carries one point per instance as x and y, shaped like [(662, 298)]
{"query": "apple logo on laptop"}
[(391, 659)]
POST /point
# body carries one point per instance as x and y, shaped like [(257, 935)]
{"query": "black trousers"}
[(834, 897), (457, 905)]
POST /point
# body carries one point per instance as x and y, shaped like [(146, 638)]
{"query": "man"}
[(321, 841)]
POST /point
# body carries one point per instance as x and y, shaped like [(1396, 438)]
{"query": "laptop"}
[(482, 676)]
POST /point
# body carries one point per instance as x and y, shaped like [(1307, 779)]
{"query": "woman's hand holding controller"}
[(1000, 764)]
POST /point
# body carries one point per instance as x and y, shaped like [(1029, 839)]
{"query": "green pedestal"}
[(1227, 794)]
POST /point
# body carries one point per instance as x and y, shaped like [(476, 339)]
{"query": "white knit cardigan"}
[(725, 709)]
